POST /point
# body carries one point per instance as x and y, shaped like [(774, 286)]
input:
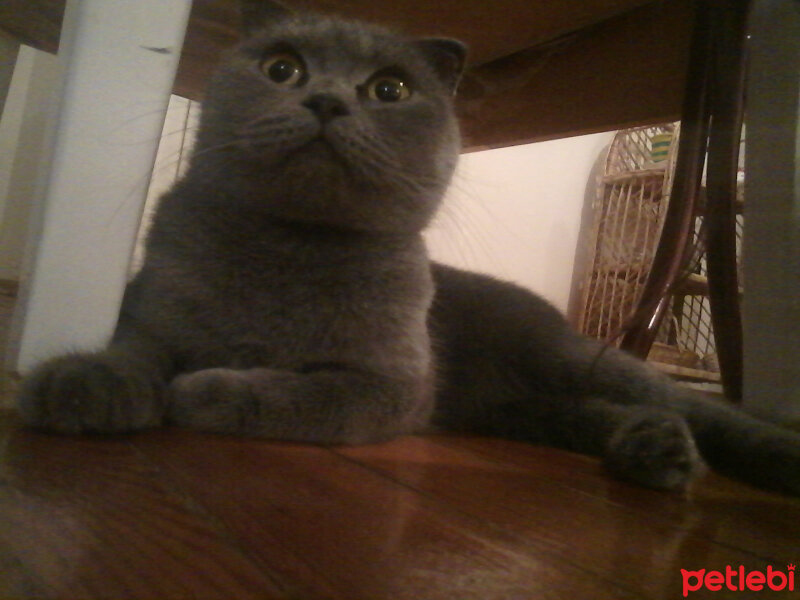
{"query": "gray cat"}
[(287, 292)]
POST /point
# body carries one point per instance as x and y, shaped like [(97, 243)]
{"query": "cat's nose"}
[(326, 106)]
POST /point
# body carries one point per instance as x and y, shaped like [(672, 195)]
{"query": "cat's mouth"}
[(319, 143), (320, 149)]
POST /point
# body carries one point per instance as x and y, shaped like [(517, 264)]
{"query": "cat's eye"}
[(283, 68), (388, 88)]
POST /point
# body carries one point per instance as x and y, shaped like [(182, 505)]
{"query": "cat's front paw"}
[(218, 400), (654, 450), (87, 393)]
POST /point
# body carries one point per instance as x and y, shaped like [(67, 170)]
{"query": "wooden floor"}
[(171, 514)]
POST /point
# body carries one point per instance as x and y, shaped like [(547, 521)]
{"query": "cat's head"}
[(334, 122)]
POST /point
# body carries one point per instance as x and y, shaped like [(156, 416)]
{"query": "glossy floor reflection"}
[(172, 514)]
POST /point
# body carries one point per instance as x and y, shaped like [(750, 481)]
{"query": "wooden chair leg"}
[(679, 221), (711, 123), (727, 107)]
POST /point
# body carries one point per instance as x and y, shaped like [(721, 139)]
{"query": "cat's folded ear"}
[(447, 56), (258, 13)]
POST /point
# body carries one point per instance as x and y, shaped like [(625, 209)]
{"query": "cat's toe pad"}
[(211, 400), (657, 451)]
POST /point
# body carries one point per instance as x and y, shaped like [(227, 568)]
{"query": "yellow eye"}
[(388, 88), (283, 68)]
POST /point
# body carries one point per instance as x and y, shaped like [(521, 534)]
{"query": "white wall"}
[(23, 128), (515, 213), (172, 159)]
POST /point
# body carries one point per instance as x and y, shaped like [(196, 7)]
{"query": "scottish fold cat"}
[(287, 293)]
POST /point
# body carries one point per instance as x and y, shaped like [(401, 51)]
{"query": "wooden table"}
[(538, 69), (171, 514)]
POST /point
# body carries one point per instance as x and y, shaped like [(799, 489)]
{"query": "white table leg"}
[(119, 61)]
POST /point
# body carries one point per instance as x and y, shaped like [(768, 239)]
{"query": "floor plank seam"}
[(167, 476), (671, 524), (551, 549), (648, 516)]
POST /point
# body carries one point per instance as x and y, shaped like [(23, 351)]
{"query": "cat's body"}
[(287, 292), (318, 307)]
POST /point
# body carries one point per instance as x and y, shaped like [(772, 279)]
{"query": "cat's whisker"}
[(469, 234), (270, 118), (161, 137), (215, 148), (382, 164), (258, 123), (121, 125), (144, 179)]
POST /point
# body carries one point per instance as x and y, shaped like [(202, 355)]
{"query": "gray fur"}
[(287, 293)]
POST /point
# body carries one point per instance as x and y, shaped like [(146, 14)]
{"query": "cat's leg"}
[(502, 371), (118, 389), (647, 445), (730, 440), (327, 406)]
